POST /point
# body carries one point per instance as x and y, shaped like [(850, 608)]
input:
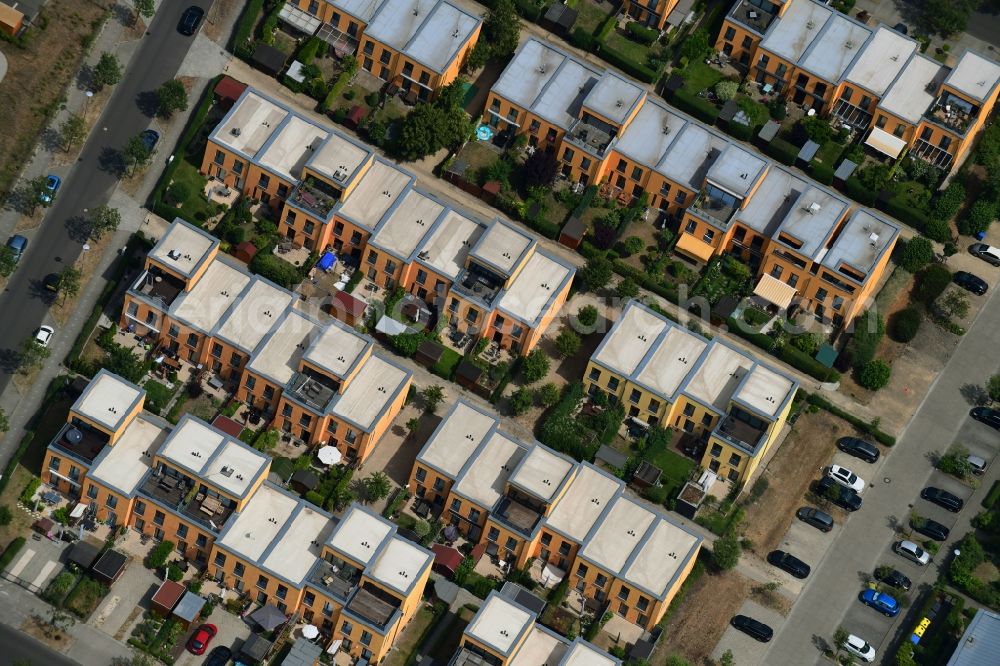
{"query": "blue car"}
[(881, 602), (17, 244), (52, 183)]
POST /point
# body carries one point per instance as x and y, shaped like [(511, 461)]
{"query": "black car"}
[(220, 656), (892, 578), (858, 448), (990, 417), (789, 563), (942, 498), (821, 520), (51, 282), (845, 498), (931, 529), (190, 20), (149, 138), (970, 282), (753, 628)]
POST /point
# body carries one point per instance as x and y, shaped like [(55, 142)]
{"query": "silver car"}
[(912, 552)]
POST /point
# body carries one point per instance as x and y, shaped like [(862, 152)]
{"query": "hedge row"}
[(859, 192), (701, 109), (782, 151), (914, 217), (628, 65), (585, 199), (529, 9), (822, 173), (863, 426), (739, 131), (241, 41), (802, 361), (12, 549), (641, 33)]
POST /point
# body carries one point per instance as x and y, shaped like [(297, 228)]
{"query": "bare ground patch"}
[(697, 625)]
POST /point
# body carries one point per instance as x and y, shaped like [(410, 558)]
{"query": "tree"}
[(158, 556), (5, 515), (931, 282), (633, 245), (73, 131), (726, 89), (144, 8), (917, 253), (32, 354), (413, 425), (171, 97), (520, 401), (539, 169), (421, 528), (547, 395), (992, 388), (502, 28), (874, 374), (840, 638), (433, 395), (4, 421), (595, 274), (178, 192), (726, 552), (946, 17), (587, 315), (104, 219), (107, 71), (956, 462), (69, 282), (7, 261), (953, 304), (696, 46), (627, 289), (868, 331), (137, 153), (905, 324), (30, 193), (727, 658), (536, 366), (567, 342), (124, 363), (376, 486), (429, 128)]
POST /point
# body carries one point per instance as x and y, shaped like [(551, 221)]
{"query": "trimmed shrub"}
[(739, 131), (874, 374), (700, 108), (868, 331), (12, 549), (240, 43), (917, 253), (905, 324), (860, 192), (640, 33), (949, 201), (783, 151), (822, 173), (627, 65), (582, 39), (938, 230), (158, 556), (931, 282), (807, 364), (863, 426)]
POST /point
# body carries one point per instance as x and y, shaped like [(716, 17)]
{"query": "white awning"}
[(334, 646), (773, 290), (551, 575), (299, 19), (885, 143), (78, 511)]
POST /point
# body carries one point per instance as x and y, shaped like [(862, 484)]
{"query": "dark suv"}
[(942, 498), (821, 520), (190, 20), (858, 448), (789, 563), (990, 417), (845, 498), (752, 627)]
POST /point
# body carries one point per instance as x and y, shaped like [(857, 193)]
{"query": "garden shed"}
[(268, 59), (429, 353), (188, 610), (165, 598), (83, 554), (646, 475), (347, 308), (227, 91), (254, 649), (303, 481), (110, 566), (559, 19), (245, 252), (573, 232)]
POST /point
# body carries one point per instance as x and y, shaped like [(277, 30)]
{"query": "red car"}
[(199, 641)]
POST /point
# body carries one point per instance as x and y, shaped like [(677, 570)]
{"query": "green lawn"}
[(446, 366), (590, 16), (698, 76), (195, 207), (675, 467), (828, 153), (627, 47)]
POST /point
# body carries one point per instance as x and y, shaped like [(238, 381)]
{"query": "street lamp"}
[(86, 107)]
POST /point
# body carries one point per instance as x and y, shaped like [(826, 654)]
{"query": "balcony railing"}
[(752, 16), (952, 113), (740, 434), (314, 199), (936, 155), (159, 287)]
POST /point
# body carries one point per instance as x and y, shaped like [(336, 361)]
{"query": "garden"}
[(76, 592)]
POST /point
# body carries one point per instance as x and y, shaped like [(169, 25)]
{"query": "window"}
[(730, 33), (623, 593), (159, 517), (385, 56), (216, 350), (944, 143), (691, 227), (595, 374), (92, 492), (821, 295), (516, 331), (390, 266), (182, 530), (453, 306), (192, 340), (456, 505), (201, 541), (438, 484), (900, 128), (471, 316), (880, 123), (421, 276), (623, 609), (111, 501), (173, 331), (235, 360), (716, 450), (133, 309), (793, 280), (709, 235), (636, 173), (251, 382), (262, 582), (239, 570), (220, 560), (309, 227), (689, 409), (237, 167), (601, 580), (356, 238), (613, 383), (546, 539), (747, 42), (734, 459), (281, 592), (582, 570), (54, 463), (866, 102), (264, 181), (286, 410), (421, 474), (493, 534), (369, 48), (366, 638), (764, 60), (706, 420), (642, 604), (585, 163), (564, 548), (498, 322), (568, 155), (346, 627), (282, 191), (733, 476), (511, 543), (331, 427), (338, 228), (665, 189), (220, 157), (635, 396), (268, 392), (474, 515), (654, 405), (848, 93)]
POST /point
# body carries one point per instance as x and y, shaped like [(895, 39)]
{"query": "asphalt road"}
[(24, 304), (20, 648), (830, 599)]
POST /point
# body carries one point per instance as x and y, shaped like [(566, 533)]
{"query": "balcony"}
[(80, 442), (158, 286), (516, 515), (591, 138), (312, 390), (952, 113), (187, 497), (315, 198), (714, 206), (334, 577), (936, 155), (752, 16), (852, 114), (466, 657), (478, 283), (740, 434), (374, 606)]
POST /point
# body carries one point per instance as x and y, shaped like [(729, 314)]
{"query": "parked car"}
[(149, 138), (43, 336), (880, 601), (892, 578), (859, 647), (200, 639), (753, 628), (821, 520), (51, 282), (846, 478), (970, 282), (858, 448), (978, 464), (52, 183), (942, 498), (912, 552), (220, 656), (190, 20), (843, 497), (987, 253), (931, 529), (990, 417), (17, 245), (789, 563)]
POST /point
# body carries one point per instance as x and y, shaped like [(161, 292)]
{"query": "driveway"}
[(38, 562), (128, 598), (233, 631)]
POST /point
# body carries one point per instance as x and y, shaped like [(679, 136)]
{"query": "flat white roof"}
[(533, 288), (213, 456), (107, 400), (542, 472), (499, 624), (810, 225), (632, 336), (613, 97), (338, 155), (183, 248), (399, 564), (765, 390), (914, 89), (582, 503), (690, 155), (406, 226), (398, 21), (881, 60), (259, 523), (861, 242), (584, 655), (374, 194), (527, 74), (450, 243), (790, 35), (716, 378), (539, 647), (299, 546), (837, 46), (288, 152), (456, 438), (674, 358), (618, 535), (254, 314), (358, 535), (123, 465), (250, 124), (442, 34), (502, 246), (560, 102), (212, 295), (660, 557), (771, 201), (736, 171), (360, 9), (336, 349), (486, 476), (368, 395), (278, 357), (649, 135), (974, 76)]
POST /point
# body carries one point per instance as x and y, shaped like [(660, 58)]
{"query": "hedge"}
[(529, 9), (627, 65), (863, 426), (701, 109), (799, 360), (240, 42), (860, 192), (762, 340), (640, 33), (783, 151), (605, 28), (583, 40), (585, 199), (338, 86), (12, 549), (914, 217), (822, 173), (739, 131)]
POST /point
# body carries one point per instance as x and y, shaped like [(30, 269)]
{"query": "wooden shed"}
[(573, 232), (347, 308), (11, 20), (245, 251), (166, 597), (110, 566), (227, 91), (428, 353)]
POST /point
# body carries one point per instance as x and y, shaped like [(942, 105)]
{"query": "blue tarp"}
[(326, 261)]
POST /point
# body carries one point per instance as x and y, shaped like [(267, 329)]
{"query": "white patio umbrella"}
[(310, 631), (328, 455)]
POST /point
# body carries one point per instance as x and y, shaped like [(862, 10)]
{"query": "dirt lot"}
[(807, 448), (48, 63), (698, 624), (21, 523)]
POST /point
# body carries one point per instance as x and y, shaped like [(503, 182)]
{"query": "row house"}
[(872, 79), (666, 375), (338, 196), (524, 502), (657, 14), (417, 46)]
